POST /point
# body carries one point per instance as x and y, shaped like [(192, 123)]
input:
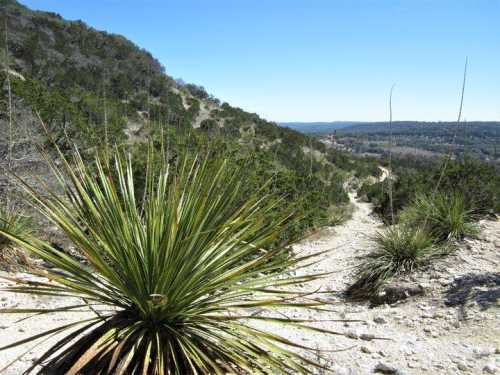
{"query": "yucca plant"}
[(398, 250), (173, 274), (447, 216), (11, 221)]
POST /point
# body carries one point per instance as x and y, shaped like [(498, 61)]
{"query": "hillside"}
[(83, 67), (95, 89)]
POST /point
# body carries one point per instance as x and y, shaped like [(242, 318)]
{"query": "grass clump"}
[(174, 273), (339, 214), (398, 250), (447, 216)]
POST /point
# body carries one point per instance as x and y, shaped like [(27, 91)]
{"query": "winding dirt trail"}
[(425, 335), (345, 243)]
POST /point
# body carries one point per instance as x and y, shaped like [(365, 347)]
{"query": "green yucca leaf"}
[(173, 272)]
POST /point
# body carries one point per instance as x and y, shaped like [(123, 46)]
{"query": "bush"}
[(339, 214), (178, 271), (398, 250), (477, 181), (446, 216)]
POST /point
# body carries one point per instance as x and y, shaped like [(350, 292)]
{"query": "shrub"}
[(477, 181), (399, 249), (339, 214), (178, 270), (446, 216)]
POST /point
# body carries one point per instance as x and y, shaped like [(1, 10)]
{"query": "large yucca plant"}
[(398, 250), (447, 216), (173, 272)]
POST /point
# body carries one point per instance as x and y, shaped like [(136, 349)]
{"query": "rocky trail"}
[(453, 328)]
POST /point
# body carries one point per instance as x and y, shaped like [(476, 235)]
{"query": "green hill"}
[(96, 89)]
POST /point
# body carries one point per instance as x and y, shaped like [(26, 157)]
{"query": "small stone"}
[(379, 320), (352, 335), (462, 366), (413, 364), (384, 368), (367, 336), (366, 349), (490, 368), (481, 353)]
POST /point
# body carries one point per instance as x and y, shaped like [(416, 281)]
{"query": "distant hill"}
[(481, 138), (429, 127), (317, 127), (419, 127)]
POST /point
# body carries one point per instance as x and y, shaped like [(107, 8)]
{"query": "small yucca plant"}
[(447, 216), (177, 271), (11, 221), (398, 250)]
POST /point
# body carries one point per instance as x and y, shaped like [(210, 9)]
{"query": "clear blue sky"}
[(318, 60)]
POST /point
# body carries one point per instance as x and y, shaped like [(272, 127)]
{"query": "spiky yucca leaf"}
[(181, 267)]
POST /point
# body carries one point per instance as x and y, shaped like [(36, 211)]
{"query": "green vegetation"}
[(477, 182), (445, 216), (340, 214), (13, 222), (424, 139), (96, 90), (427, 228), (175, 271), (435, 206), (398, 250)]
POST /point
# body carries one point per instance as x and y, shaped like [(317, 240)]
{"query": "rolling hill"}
[(93, 89)]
